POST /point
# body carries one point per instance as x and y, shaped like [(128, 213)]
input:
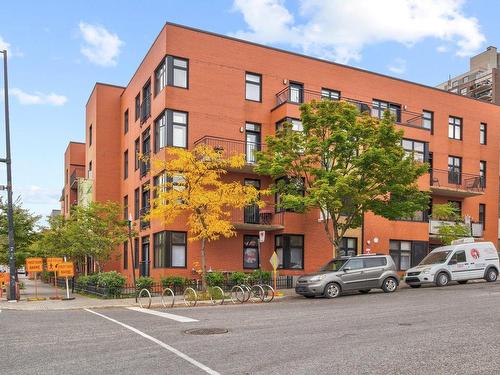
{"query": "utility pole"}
[(8, 161)]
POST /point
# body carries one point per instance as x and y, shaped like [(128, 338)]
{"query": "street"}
[(425, 331)]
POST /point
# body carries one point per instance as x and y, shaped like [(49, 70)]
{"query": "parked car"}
[(21, 270), (462, 261), (360, 273)]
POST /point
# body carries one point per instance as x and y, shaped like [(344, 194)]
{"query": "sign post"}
[(66, 269), (262, 238), (274, 262), (52, 264), (35, 265)]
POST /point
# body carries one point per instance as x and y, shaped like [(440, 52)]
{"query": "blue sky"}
[(61, 48)]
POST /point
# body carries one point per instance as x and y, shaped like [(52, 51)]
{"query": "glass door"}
[(252, 142), (145, 257), (251, 213)]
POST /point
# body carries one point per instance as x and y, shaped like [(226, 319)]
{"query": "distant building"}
[(482, 81), (55, 213)]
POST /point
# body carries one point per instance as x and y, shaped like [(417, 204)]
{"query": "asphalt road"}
[(451, 330)]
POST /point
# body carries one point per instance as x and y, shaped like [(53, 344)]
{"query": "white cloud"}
[(38, 98), (4, 45), (101, 46), (339, 29), (398, 66)]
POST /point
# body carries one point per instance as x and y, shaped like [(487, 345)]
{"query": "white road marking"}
[(194, 362), (178, 318)]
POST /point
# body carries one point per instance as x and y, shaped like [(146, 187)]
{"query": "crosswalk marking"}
[(178, 318)]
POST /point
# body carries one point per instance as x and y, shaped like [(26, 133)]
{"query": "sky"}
[(59, 49)]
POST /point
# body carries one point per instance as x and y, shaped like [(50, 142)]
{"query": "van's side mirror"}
[(452, 261), (346, 269)]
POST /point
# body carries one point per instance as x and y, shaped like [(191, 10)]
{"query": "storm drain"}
[(206, 331)]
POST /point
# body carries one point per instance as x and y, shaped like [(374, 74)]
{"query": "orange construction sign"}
[(34, 264), (4, 277), (52, 263), (65, 269)]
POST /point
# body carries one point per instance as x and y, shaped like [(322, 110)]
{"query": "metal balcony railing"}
[(266, 216), (475, 228), (456, 179), (232, 147), (73, 180), (296, 95)]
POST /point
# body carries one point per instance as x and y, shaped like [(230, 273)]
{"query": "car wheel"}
[(463, 281), (364, 291), (442, 279), (491, 275), (389, 285), (415, 285), (332, 290)]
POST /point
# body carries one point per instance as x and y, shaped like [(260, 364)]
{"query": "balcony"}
[(255, 218), (73, 180), (298, 96), (233, 147), (453, 183), (476, 228), (145, 111), (478, 85)]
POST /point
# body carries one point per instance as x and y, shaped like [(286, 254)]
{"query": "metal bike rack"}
[(187, 302), (246, 294), (211, 293), (256, 294), (234, 294), (147, 294), (165, 293), (268, 293)]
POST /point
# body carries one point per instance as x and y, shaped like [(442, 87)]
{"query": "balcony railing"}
[(476, 228), (476, 85), (254, 217), (298, 96), (145, 109), (145, 165), (232, 147), (454, 179), (73, 180)]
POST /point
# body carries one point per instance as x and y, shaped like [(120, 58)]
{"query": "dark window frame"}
[(246, 239), (137, 151), (482, 214), (283, 246), (125, 255), (125, 164), (137, 203), (430, 118), (90, 135), (125, 207), (137, 104), (125, 122), (248, 82), (344, 246), (378, 109), (168, 248), (452, 122), (424, 153), (166, 121), (483, 133), (454, 170), (482, 172), (329, 92)]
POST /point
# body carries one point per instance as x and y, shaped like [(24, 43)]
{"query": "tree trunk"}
[(334, 250), (203, 267)]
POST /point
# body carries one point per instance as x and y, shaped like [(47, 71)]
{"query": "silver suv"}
[(360, 273)]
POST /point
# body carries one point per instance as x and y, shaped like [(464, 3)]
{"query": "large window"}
[(146, 102), (250, 251), (428, 120), (125, 165), (253, 87), (455, 128), (482, 173), (169, 249), (125, 122), (416, 149), (330, 94), (379, 107), (173, 71), (296, 124), (349, 247), (137, 151), (146, 150), (171, 129), (454, 170), (290, 251), (400, 251), (125, 255), (483, 133)]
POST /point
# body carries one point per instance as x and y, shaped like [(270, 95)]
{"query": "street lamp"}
[(132, 256), (8, 161)]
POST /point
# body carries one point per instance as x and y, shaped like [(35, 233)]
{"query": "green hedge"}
[(174, 282), (113, 280), (144, 282), (215, 278)]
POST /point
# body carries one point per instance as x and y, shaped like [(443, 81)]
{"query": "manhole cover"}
[(206, 331)]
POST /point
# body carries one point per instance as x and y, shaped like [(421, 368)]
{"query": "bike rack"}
[(246, 293), (164, 293), (268, 297), (211, 293), (187, 302), (234, 294), (140, 296), (256, 294)]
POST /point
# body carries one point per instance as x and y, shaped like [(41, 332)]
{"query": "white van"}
[(461, 261)]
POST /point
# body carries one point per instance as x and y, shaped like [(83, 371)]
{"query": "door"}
[(145, 257), (296, 92), (458, 266), (251, 213), (418, 252), (354, 277), (476, 257), (373, 270), (252, 142)]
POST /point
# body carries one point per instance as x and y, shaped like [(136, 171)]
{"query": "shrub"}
[(259, 276), (238, 278), (113, 280), (145, 282), (94, 278), (215, 278), (83, 280), (173, 282)]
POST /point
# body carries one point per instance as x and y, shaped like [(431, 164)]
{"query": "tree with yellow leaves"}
[(191, 184)]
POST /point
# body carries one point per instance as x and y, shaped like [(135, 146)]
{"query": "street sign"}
[(65, 269), (52, 263), (262, 236), (34, 264), (4, 277), (274, 260)]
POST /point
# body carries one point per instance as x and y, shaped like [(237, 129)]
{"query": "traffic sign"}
[(4, 277), (52, 263), (274, 260), (34, 264), (262, 236), (65, 269)]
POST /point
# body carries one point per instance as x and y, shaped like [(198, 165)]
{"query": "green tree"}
[(26, 232), (343, 163), (453, 226)]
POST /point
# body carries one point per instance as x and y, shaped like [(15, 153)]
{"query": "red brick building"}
[(197, 87)]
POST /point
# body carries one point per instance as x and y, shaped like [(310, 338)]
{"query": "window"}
[(146, 150), (296, 124), (125, 122), (137, 106), (348, 246), (146, 102), (173, 71), (379, 107), (90, 135), (290, 251), (250, 252), (136, 252), (454, 170), (416, 149), (330, 94), (145, 201), (482, 214), (89, 172), (125, 207), (137, 195), (160, 77), (463, 91), (252, 142), (137, 151), (483, 133), (296, 93), (482, 173), (354, 264), (455, 128), (459, 257), (374, 262), (289, 186), (400, 251), (125, 165), (253, 87), (171, 130), (169, 249), (125, 255), (428, 120)]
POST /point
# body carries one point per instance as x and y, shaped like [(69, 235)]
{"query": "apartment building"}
[(74, 168), (195, 87), (482, 81)]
